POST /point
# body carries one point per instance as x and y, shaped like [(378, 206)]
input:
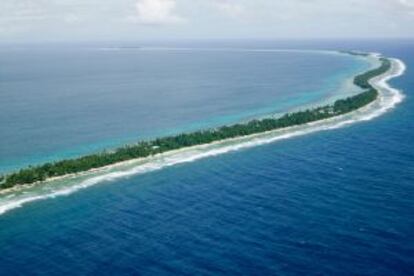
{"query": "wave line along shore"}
[(386, 99)]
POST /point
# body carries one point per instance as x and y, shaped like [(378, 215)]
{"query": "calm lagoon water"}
[(339, 202), (64, 102)]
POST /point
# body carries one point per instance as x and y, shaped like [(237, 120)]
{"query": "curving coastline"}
[(62, 185)]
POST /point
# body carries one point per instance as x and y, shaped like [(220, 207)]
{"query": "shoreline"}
[(374, 82), (387, 98), (20, 177), (342, 87)]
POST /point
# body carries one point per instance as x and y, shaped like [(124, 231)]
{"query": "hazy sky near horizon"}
[(39, 20)]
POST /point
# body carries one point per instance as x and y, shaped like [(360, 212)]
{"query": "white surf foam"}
[(388, 98)]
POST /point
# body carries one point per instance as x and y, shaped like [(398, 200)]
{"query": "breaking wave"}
[(388, 98)]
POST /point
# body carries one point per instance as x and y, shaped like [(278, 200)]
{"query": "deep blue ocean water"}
[(339, 202)]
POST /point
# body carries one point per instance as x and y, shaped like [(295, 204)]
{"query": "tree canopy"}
[(147, 148)]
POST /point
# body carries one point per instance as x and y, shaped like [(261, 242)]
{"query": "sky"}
[(89, 20)]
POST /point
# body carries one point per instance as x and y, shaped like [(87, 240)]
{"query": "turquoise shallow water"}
[(60, 102), (338, 202)]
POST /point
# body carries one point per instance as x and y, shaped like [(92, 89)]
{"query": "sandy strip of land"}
[(387, 99)]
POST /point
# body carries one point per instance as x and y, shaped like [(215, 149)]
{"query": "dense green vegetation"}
[(363, 79), (160, 145), (355, 53)]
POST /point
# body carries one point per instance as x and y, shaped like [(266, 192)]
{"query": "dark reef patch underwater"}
[(332, 203)]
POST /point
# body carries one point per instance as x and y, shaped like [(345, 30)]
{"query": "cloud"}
[(71, 18), (229, 7), (119, 19), (407, 3), (156, 12), (401, 8)]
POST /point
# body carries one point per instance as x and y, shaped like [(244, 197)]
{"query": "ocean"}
[(332, 202)]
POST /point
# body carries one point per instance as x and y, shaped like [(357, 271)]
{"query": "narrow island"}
[(144, 149)]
